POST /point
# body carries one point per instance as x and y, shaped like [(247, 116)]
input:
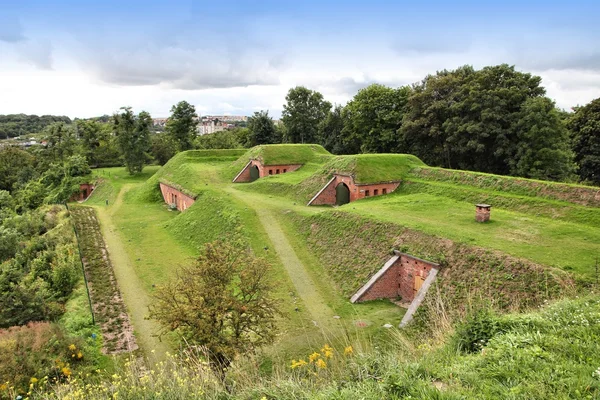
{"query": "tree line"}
[(495, 120), (14, 125)]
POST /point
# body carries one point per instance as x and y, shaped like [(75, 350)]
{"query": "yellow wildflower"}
[(313, 357), (79, 355), (299, 363), (321, 364), (33, 380), (348, 350), (66, 371), (327, 351), (72, 347)]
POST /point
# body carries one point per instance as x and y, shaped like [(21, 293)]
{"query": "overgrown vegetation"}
[(108, 306)]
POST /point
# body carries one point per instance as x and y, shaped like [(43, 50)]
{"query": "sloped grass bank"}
[(548, 354), (577, 194), (533, 206), (352, 248)]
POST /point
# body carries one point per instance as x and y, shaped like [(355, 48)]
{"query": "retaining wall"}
[(264, 170), (173, 196)]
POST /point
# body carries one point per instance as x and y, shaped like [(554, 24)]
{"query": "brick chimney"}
[(482, 212)]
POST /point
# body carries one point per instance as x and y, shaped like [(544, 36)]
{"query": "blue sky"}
[(84, 58)]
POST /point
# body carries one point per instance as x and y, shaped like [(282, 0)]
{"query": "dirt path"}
[(131, 287), (306, 290)]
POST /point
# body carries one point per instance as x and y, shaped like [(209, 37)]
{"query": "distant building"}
[(159, 122)]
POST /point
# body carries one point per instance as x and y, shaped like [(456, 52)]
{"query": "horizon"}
[(84, 61)]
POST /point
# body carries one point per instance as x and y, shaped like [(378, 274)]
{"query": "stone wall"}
[(357, 190), (264, 170), (173, 196)]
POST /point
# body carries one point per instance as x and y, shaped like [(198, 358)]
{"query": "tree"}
[(261, 128), (163, 147), (585, 133), (330, 131), (61, 140), (227, 139), (14, 163), (304, 111), (373, 118), (223, 302), (181, 125), (470, 119), (133, 138), (547, 154)]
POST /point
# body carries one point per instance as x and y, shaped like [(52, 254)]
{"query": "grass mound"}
[(182, 171), (278, 154)]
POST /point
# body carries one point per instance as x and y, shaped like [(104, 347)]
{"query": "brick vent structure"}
[(175, 197), (482, 212), (264, 170), (327, 195), (402, 276)]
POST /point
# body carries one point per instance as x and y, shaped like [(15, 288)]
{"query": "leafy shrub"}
[(476, 331)]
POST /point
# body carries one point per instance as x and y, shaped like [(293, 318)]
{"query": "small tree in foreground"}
[(222, 302)]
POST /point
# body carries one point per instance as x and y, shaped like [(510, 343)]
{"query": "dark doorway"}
[(342, 194), (254, 174)]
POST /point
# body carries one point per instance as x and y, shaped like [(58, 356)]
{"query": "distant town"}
[(212, 123)]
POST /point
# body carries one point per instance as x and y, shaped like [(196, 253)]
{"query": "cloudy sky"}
[(82, 58)]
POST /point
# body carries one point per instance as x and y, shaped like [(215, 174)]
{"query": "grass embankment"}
[(107, 303), (303, 184), (548, 354), (352, 248)]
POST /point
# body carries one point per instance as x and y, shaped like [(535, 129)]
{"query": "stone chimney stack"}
[(482, 212)]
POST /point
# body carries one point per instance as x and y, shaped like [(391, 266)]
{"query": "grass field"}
[(265, 214)]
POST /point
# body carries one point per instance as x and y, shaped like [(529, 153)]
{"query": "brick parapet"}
[(174, 196)]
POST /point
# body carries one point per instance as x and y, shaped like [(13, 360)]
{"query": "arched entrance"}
[(342, 194), (254, 174)]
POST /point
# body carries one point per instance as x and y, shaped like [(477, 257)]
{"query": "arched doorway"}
[(254, 174), (342, 194)]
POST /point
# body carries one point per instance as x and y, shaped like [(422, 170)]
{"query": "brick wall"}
[(264, 170), (397, 280), (357, 191), (173, 196)]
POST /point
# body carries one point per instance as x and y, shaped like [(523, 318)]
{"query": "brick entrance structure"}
[(85, 190), (175, 197), (402, 276), (263, 170), (327, 195)]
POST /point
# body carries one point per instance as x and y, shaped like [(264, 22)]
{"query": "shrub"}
[(476, 331)]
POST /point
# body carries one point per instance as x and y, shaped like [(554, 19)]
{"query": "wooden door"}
[(418, 283)]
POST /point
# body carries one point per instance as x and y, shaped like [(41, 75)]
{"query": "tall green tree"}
[(224, 302), (585, 131), (330, 131), (302, 114), (373, 118), (15, 167), (487, 120), (261, 128), (133, 138), (547, 153), (182, 124), (61, 141), (163, 147)]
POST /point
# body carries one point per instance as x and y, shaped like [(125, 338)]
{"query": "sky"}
[(84, 58)]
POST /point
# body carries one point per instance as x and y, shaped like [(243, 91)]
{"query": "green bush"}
[(475, 332)]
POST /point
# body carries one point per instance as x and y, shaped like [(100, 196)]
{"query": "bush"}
[(477, 330)]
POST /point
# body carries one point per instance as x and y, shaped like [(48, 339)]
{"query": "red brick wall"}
[(386, 287), (357, 191), (263, 170), (411, 267), (172, 195), (399, 279)]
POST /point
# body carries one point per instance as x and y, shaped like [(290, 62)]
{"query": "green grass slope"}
[(278, 154)]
